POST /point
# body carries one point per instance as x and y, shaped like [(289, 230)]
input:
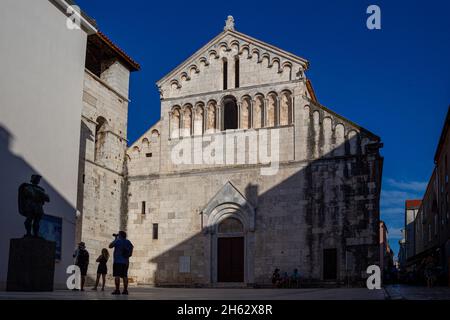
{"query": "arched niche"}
[(230, 113)]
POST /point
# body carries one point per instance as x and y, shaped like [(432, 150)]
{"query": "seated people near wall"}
[(276, 278), (285, 280), (295, 279)]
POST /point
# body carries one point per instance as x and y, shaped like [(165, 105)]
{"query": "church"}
[(244, 172)]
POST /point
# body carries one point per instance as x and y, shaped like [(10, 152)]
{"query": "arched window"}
[(286, 108), (100, 136), (198, 120), (271, 110), (175, 123), (245, 113), (258, 114), (187, 121), (135, 152), (230, 113), (230, 225), (236, 71), (211, 116), (225, 74), (145, 144), (155, 135)]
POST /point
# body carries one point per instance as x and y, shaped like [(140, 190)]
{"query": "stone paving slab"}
[(404, 292), (151, 293)]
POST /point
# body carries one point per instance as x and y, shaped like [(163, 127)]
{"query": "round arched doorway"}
[(230, 251)]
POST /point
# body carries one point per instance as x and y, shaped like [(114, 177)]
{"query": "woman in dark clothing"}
[(102, 269)]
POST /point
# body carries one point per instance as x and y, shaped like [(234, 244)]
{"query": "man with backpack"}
[(123, 250)]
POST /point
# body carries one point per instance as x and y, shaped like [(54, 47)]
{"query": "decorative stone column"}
[(264, 109), (239, 104), (277, 112), (193, 114), (250, 110), (218, 118), (170, 125), (292, 110)]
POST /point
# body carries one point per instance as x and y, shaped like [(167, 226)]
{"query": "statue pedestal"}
[(31, 264)]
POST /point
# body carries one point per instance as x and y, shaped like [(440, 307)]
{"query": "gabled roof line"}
[(282, 52), (185, 62), (142, 136), (242, 36), (317, 104)]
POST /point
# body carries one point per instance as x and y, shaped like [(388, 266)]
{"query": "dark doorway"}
[(230, 259), (230, 113), (330, 264)]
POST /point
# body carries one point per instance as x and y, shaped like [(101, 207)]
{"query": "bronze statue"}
[(32, 198)]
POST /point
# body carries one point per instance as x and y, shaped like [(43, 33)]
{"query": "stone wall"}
[(323, 191), (300, 211), (102, 186), (324, 195)]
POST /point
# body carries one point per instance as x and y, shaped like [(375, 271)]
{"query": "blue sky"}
[(394, 82)]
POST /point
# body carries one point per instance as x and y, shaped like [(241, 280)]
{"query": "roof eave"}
[(442, 137), (87, 23), (132, 65)]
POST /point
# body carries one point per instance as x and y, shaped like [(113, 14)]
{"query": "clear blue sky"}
[(394, 81)]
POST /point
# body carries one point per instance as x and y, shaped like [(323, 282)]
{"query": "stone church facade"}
[(244, 172)]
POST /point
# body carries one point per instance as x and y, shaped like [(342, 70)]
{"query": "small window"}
[(155, 231), (84, 178), (149, 155), (236, 72), (143, 207), (225, 74)]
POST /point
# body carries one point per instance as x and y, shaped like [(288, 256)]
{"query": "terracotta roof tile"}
[(413, 204), (133, 64)]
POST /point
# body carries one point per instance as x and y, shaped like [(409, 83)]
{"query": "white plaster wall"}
[(41, 86)]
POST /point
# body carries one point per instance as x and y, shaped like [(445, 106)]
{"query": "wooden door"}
[(230, 259), (329, 264)]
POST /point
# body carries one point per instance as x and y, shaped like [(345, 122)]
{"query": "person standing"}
[(430, 271), (81, 256), (102, 269), (123, 250)]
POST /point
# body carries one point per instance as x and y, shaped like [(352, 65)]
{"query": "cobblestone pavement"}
[(150, 293), (405, 292)]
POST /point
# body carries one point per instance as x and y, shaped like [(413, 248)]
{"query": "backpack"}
[(127, 250)]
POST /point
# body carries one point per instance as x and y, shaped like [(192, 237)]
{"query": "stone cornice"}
[(238, 168), (235, 90)]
